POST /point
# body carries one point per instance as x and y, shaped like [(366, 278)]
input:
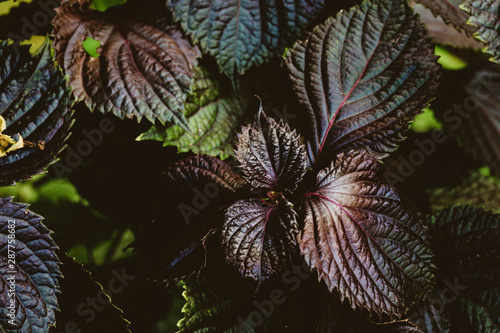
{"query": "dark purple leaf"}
[(260, 237), (203, 169), (35, 103), (363, 239), (35, 267), (451, 13), (362, 76), (270, 154), (443, 33), (145, 68)]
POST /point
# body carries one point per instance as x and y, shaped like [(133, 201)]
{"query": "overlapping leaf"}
[(244, 33), (218, 301), (451, 13), (446, 34), (144, 69), (363, 239), (202, 169), (466, 242), (485, 16), (260, 237), (34, 269), (35, 103), (362, 76), (341, 318), (213, 116), (271, 155)]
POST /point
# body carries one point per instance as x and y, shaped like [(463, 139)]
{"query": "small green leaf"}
[(90, 45), (448, 60), (103, 5), (425, 122)]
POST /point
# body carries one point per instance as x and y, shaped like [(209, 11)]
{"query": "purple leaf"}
[(259, 237), (362, 76), (270, 154), (201, 169), (363, 239), (144, 69)]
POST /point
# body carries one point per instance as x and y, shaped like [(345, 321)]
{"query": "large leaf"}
[(338, 317), (219, 301), (362, 76), (29, 271), (260, 237), (485, 16), (35, 104), (144, 69), (466, 242), (451, 13), (271, 155), (475, 122), (363, 239), (244, 33), (213, 116)]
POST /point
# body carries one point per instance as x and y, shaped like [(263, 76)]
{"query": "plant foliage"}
[(299, 214)]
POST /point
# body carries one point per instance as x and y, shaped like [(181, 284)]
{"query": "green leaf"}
[(362, 76), (145, 68), (363, 239), (485, 16), (35, 104), (29, 260), (218, 301), (244, 33), (212, 116), (90, 45)]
